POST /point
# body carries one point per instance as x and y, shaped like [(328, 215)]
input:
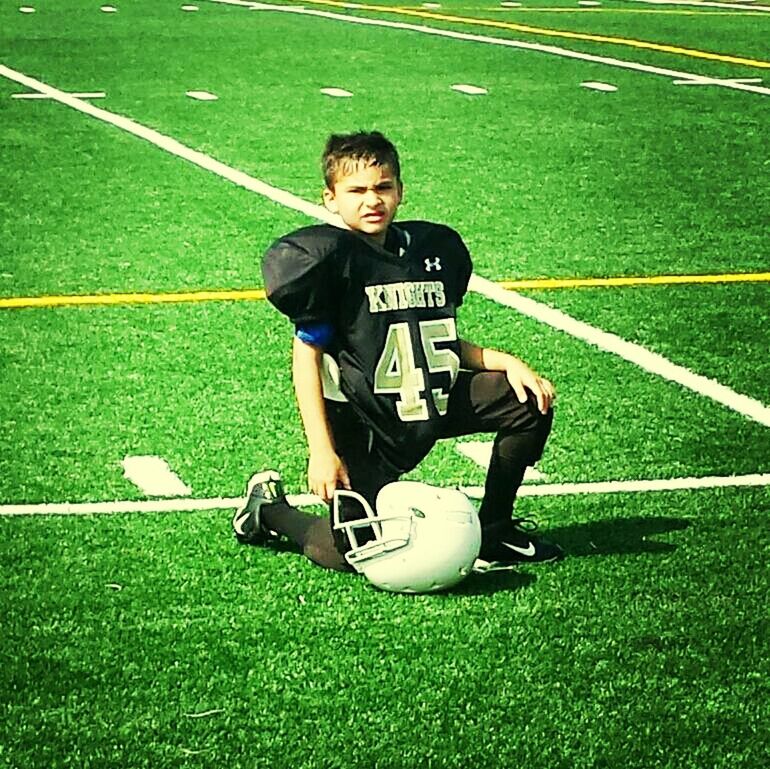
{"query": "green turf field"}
[(145, 636)]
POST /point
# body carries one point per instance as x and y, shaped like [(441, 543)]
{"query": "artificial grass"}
[(199, 385), (208, 388), (719, 331), (541, 176), (157, 641), (646, 647), (145, 221)]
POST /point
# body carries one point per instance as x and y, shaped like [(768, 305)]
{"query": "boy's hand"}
[(521, 376), (326, 472)]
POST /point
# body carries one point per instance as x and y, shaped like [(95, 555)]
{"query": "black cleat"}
[(507, 545), (264, 488)]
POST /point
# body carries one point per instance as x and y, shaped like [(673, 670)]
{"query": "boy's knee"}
[(539, 433), (527, 416), (544, 423), (526, 442)]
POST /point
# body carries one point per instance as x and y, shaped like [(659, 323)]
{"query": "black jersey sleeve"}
[(298, 274)]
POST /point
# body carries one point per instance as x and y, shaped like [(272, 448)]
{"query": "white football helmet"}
[(420, 539)]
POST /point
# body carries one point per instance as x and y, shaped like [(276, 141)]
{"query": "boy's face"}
[(366, 198)]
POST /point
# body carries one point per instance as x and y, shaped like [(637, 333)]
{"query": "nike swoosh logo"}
[(529, 550)]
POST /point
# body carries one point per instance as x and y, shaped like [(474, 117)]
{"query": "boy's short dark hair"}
[(345, 150)]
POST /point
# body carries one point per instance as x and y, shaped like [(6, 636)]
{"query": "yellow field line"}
[(258, 294), (73, 300), (642, 280), (648, 11), (400, 11)]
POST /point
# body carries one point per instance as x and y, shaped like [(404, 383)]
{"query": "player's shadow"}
[(621, 536)]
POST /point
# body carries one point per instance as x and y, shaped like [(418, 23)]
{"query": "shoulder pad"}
[(318, 238), (423, 228), (297, 271)]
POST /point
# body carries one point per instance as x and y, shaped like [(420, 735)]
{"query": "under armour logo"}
[(434, 264)]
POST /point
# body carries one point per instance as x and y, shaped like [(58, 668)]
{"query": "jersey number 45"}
[(397, 372)]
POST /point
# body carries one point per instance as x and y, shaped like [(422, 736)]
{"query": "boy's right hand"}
[(325, 473)]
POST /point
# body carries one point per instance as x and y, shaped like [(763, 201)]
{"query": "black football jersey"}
[(392, 311)]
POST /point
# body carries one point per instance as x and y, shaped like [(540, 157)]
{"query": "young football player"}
[(380, 373)]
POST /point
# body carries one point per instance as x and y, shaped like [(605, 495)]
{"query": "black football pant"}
[(480, 402)]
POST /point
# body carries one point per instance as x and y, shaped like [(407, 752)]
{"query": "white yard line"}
[(171, 145), (663, 484), (470, 37), (629, 351), (706, 81), (541, 490), (88, 95), (707, 4), (154, 477), (177, 505)]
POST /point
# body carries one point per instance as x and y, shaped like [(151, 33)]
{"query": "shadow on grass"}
[(620, 536)]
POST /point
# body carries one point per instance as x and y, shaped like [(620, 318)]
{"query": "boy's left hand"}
[(522, 378)]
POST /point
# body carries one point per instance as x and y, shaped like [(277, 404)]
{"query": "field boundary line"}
[(634, 280), (80, 300), (632, 352), (759, 9), (566, 10), (183, 505), (544, 31), (258, 294), (539, 47)]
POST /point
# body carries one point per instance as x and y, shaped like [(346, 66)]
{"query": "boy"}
[(379, 371)]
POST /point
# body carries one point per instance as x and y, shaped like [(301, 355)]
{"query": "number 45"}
[(396, 371)]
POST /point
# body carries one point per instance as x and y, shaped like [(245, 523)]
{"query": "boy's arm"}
[(325, 468), (519, 374)]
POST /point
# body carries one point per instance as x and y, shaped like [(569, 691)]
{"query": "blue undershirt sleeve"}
[(315, 334)]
